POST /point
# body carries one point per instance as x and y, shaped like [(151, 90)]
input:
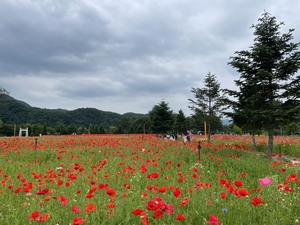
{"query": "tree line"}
[(15, 114)]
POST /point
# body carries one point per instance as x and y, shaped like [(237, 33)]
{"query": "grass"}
[(67, 171)]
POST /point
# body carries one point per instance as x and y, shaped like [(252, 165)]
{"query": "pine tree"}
[(161, 118), (180, 122), (207, 100), (267, 77), (101, 129)]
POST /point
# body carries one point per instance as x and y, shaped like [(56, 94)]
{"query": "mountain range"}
[(13, 111)]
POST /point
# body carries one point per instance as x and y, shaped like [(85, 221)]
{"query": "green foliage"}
[(119, 130), (111, 130), (82, 130), (268, 94), (72, 128), (7, 129), (42, 121), (161, 118), (207, 100), (140, 124), (180, 122), (101, 129), (124, 124)]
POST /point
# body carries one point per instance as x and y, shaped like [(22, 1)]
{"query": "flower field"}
[(134, 179)]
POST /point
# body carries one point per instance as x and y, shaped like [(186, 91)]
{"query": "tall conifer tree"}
[(267, 77), (207, 100)]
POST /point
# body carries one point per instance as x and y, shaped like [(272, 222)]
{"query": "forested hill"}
[(13, 111)]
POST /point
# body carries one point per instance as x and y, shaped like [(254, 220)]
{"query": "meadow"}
[(141, 179)]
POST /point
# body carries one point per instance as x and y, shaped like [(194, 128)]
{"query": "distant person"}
[(188, 133)]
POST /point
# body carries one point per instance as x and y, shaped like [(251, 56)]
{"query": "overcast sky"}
[(125, 56)]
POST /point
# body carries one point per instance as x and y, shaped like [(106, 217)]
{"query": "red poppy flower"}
[(111, 192), (77, 221), (152, 175), (177, 192), (63, 200), (180, 217), (287, 189), (162, 189), (243, 192), (238, 183), (184, 201), (34, 215), (90, 207), (213, 220), (18, 190), (93, 188), (42, 218), (157, 214), (168, 209), (75, 209), (282, 170), (256, 201), (152, 205), (89, 195), (144, 218), (137, 211), (43, 192), (102, 186), (28, 187), (194, 176), (222, 182), (222, 195), (110, 206)]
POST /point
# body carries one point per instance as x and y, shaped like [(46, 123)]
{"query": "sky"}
[(126, 56)]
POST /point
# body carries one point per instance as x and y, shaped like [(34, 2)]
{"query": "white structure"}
[(21, 131)]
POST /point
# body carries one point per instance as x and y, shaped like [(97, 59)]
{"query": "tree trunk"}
[(270, 141), (253, 141), (208, 133), (271, 122)]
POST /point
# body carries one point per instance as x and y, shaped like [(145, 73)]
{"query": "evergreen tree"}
[(101, 129), (180, 122), (61, 128), (267, 75), (207, 100), (119, 130), (82, 130), (1, 124), (125, 123), (44, 129), (139, 129), (161, 118), (197, 121), (94, 129), (131, 129), (72, 128), (141, 123)]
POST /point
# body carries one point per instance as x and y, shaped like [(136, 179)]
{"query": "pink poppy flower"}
[(265, 181)]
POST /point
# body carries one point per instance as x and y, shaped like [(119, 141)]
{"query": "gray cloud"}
[(124, 55)]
